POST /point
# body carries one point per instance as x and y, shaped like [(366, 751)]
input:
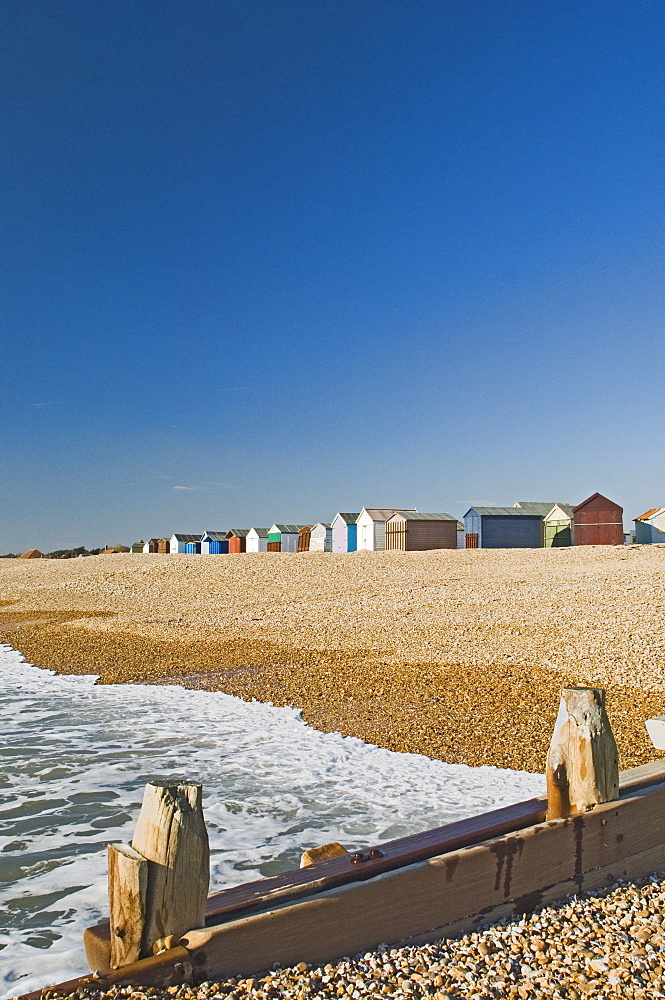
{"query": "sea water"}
[(75, 757)]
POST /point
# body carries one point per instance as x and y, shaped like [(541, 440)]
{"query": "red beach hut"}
[(598, 521)]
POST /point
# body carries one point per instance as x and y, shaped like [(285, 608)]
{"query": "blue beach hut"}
[(214, 543), (502, 528)]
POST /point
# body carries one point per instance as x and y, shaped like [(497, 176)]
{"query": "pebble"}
[(583, 947)]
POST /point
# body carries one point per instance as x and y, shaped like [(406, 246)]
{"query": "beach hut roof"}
[(593, 498), (237, 532), (383, 513), (213, 536), (289, 529), (504, 512), (186, 538), (544, 508), (321, 524), (348, 518), (414, 515), (261, 532), (648, 514)]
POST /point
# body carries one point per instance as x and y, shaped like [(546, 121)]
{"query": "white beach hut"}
[(257, 540), (650, 526), (178, 542), (344, 532), (321, 538), (372, 526)]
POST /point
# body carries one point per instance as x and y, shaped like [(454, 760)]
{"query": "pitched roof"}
[(186, 538), (289, 529), (214, 536), (650, 513), (33, 554), (261, 532), (544, 508), (237, 533), (503, 512), (348, 518), (415, 516), (596, 496), (383, 513), (322, 524)]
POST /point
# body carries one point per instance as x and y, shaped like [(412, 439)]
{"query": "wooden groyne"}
[(594, 826)]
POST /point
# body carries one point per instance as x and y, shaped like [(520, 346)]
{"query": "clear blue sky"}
[(270, 260)]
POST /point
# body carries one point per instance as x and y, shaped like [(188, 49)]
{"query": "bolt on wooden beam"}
[(582, 762)]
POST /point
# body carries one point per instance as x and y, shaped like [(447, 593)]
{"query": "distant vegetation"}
[(69, 553), (73, 553)]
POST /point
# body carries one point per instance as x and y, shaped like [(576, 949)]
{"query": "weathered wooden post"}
[(582, 762), (158, 887), (128, 887)]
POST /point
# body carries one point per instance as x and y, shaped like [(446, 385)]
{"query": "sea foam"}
[(76, 756)]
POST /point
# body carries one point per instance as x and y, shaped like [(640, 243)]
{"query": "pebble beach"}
[(458, 655), (602, 945)]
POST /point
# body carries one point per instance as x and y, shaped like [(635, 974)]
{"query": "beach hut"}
[(163, 546), (193, 549), (502, 528), (461, 537), (557, 521), (371, 525), (138, 547), (151, 546), (650, 526), (33, 554), (178, 542), (304, 538), (284, 537), (237, 539), (321, 538), (344, 532), (214, 543), (257, 540), (598, 521), (410, 531)]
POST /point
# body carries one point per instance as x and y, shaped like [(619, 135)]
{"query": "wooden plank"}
[(171, 834), (128, 885), (252, 897), (171, 968), (635, 867), (436, 893), (296, 884), (635, 778)]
